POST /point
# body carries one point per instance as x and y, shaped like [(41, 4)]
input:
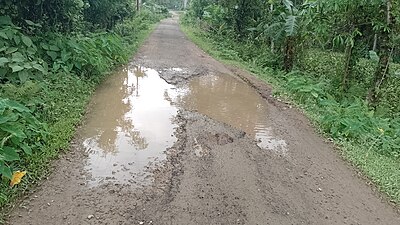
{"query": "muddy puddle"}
[(130, 124), (129, 127), (226, 99)]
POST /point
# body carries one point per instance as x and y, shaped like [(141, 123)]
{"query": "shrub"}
[(20, 132)]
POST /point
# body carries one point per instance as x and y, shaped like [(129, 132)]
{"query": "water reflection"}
[(130, 126), (228, 100), (130, 122)]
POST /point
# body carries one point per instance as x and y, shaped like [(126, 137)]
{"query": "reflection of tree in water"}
[(135, 138), (127, 126), (139, 72), (113, 121), (111, 113)]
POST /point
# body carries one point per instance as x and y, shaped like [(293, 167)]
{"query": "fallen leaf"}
[(16, 177)]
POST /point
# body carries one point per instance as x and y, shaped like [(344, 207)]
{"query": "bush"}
[(20, 132), (329, 66), (19, 57)]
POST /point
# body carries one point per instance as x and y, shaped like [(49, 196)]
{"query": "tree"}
[(385, 27), (291, 22)]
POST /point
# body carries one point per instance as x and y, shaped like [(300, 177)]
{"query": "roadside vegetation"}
[(52, 56), (337, 60)]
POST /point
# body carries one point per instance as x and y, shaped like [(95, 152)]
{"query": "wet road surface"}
[(175, 137)]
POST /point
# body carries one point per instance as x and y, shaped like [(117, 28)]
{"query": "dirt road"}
[(176, 137)]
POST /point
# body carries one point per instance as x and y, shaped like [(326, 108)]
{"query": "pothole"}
[(130, 126), (228, 100)]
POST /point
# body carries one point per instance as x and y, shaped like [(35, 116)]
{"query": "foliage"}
[(18, 55), (60, 15), (108, 13), (20, 132), (168, 4)]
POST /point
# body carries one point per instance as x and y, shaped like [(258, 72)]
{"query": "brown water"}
[(130, 126), (226, 99)]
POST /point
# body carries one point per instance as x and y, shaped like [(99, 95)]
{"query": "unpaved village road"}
[(176, 137)]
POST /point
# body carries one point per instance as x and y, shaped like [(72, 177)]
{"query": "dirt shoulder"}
[(214, 173)]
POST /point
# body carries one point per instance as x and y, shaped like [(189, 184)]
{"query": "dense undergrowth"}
[(46, 79), (368, 135)]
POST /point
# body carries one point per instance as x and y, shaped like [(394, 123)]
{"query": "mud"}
[(212, 170), (229, 100)]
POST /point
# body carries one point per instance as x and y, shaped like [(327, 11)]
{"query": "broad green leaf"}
[(39, 67), (26, 149), (16, 68), (17, 39), (27, 66), (6, 118), (12, 130), (5, 171), (11, 50), (23, 76), (30, 23), (17, 57), (56, 66), (14, 105), (52, 54), (31, 51), (78, 65), (65, 56), (10, 154), (54, 48), (5, 20), (3, 71), (3, 61), (27, 41), (44, 46), (373, 56), (3, 35), (291, 25)]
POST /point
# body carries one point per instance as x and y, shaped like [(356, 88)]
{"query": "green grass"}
[(381, 169), (68, 96)]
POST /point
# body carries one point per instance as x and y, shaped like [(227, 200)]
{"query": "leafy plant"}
[(19, 59), (20, 132)]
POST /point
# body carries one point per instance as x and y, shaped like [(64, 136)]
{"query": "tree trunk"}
[(138, 5), (382, 69), (348, 66), (272, 46), (375, 43), (289, 53), (271, 10)]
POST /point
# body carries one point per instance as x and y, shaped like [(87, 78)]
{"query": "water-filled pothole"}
[(129, 128), (226, 99), (130, 124)]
